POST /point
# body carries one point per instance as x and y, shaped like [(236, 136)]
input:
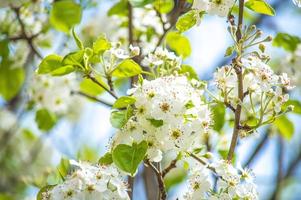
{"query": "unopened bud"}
[(262, 48), (290, 108), (135, 51), (208, 155)]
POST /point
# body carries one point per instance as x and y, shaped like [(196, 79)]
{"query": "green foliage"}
[(286, 41), (229, 51), (119, 118), (127, 68), (164, 6), (42, 190), (187, 21), (124, 102), (219, 113), (140, 3), (52, 64), (11, 80), (106, 159), (120, 9), (189, 71), (89, 87), (295, 103), (179, 43), (260, 6), (174, 177), (101, 45), (45, 119), (78, 42), (128, 158), (63, 168), (285, 127), (65, 14), (74, 58), (156, 123)]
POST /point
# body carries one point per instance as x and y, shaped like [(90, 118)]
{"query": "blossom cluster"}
[(214, 7), (54, 93), (170, 115), (264, 90), (232, 183), (164, 61), (89, 182)]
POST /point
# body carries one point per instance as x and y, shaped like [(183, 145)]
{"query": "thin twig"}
[(92, 98), (29, 39), (238, 71), (172, 165), (92, 78)]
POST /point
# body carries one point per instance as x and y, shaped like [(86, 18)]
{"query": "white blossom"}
[(89, 182), (54, 93), (169, 114), (214, 7)]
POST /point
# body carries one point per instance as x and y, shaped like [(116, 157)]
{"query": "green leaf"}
[(74, 58), (127, 68), (63, 168), (140, 3), (285, 127), (63, 70), (101, 45), (123, 102), (119, 118), (45, 120), (179, 43), (106, 159), (286, 41), (187, 21), (128, 158), (44, 189), (260, 6), (89, 87), (219, 113), (295, 103), (189, 71), (164, 6), (65, 14), (49, 64), (156, 123), (229, 51), (79, 43), (119, 9), (11, 81), (4, 49)]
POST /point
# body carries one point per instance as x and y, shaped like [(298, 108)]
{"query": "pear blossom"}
[(89, 182), (54, 93), (169, 114), (214, 7)]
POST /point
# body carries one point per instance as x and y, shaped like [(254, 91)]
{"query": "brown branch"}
[(238, 71), (228, 105), (131, 186), (173, 20), (172, 165), (29, 39), (91, 98), (92, 78), (202, 162), (163, 194)]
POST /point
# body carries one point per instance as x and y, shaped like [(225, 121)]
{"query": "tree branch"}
[(92, 98), (163, 194), (172, 165), (238, 71), (92, 78), (29, 39)]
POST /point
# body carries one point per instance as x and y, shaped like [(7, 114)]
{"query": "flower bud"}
[(135, 51)]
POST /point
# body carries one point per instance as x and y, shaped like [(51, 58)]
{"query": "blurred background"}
[(29, 154)]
